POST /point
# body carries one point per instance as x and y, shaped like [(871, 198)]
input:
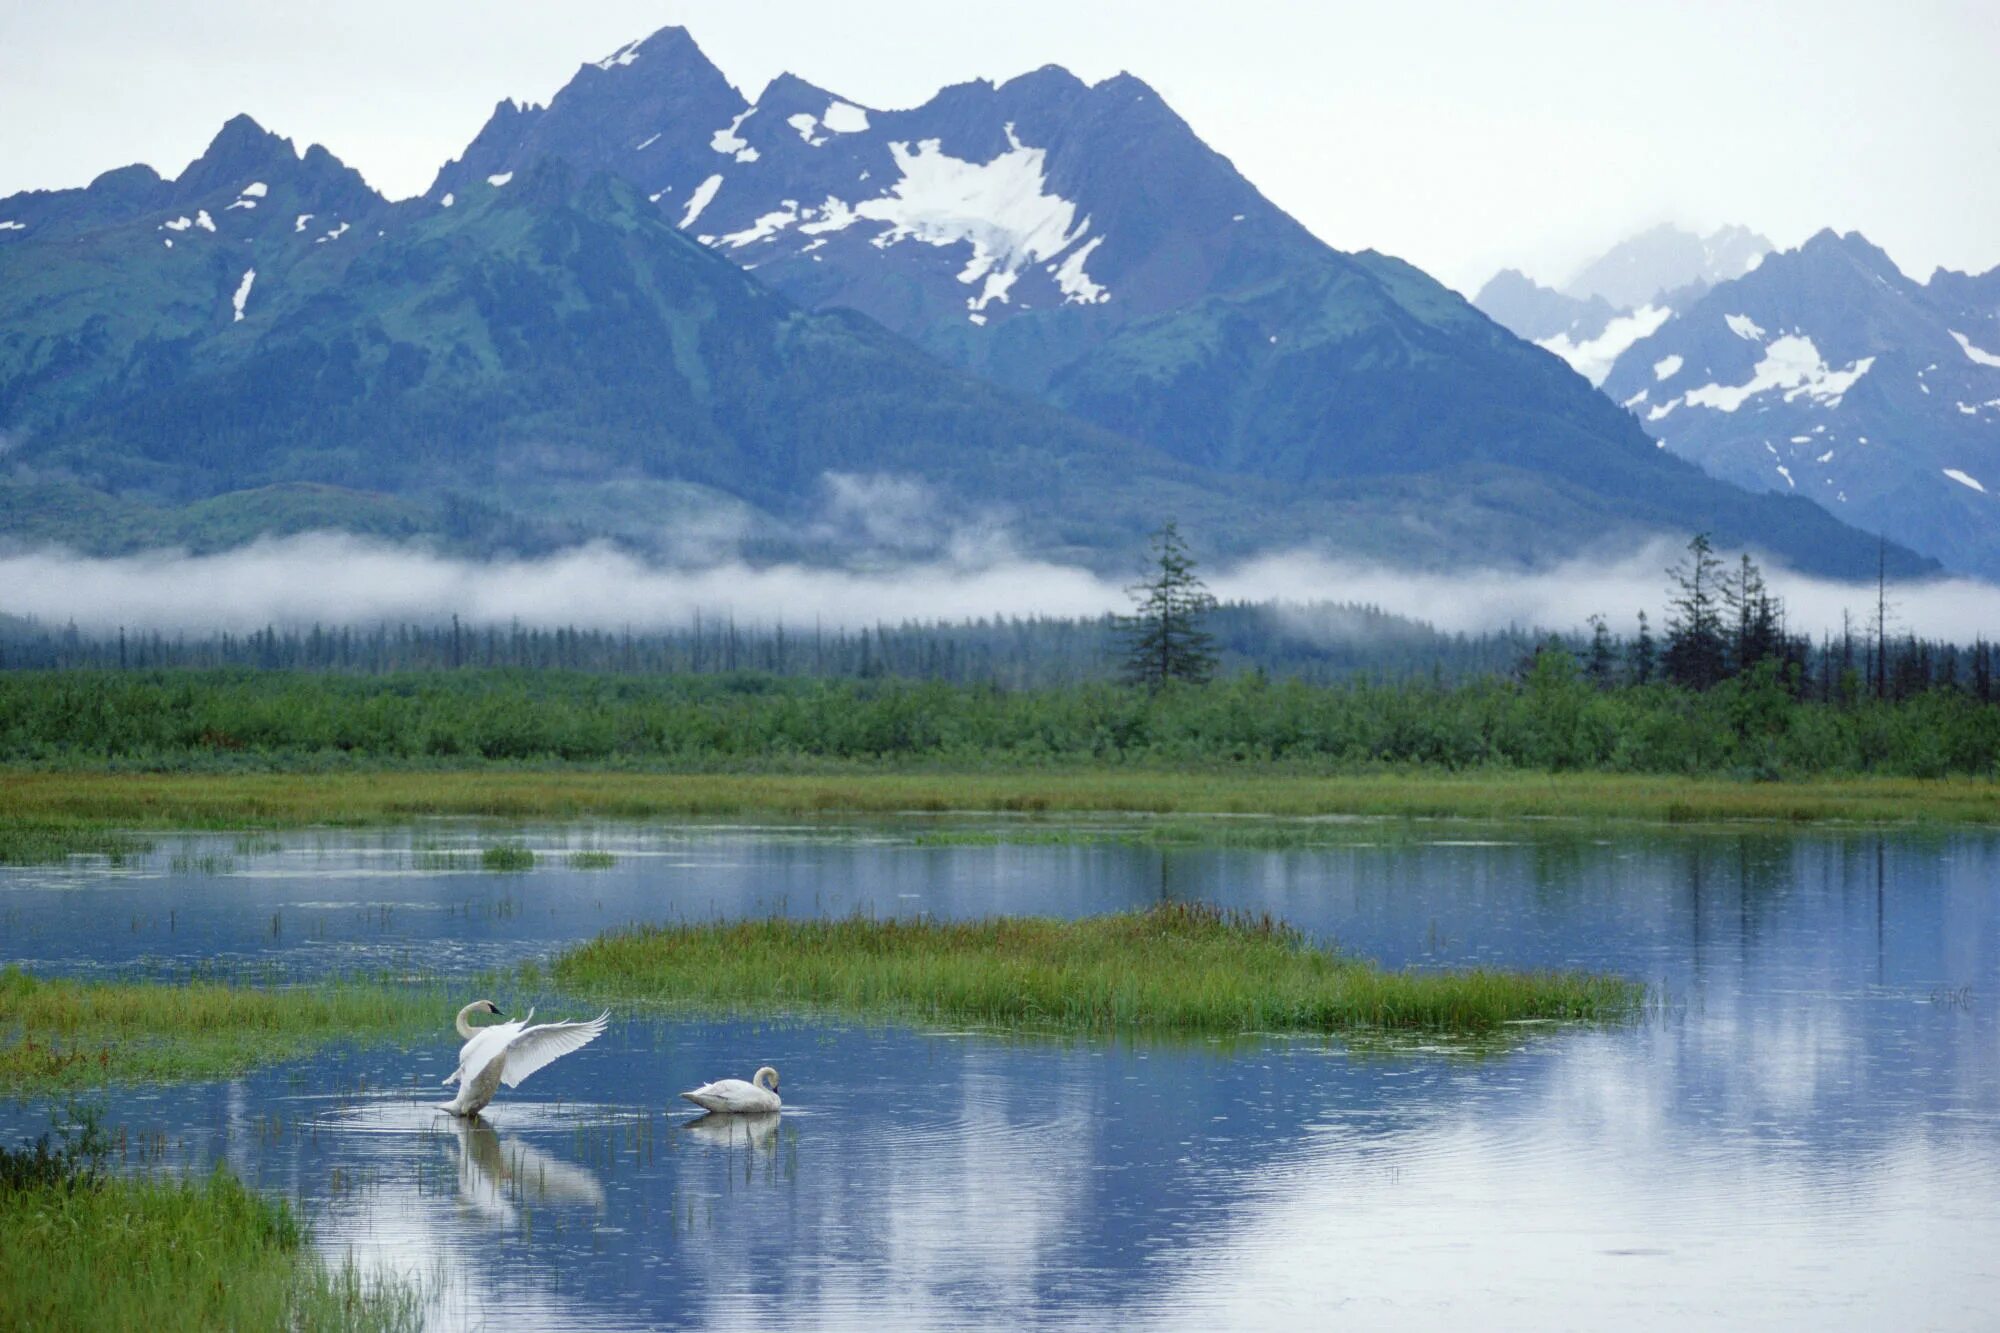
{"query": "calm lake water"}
[(1802, 1132)]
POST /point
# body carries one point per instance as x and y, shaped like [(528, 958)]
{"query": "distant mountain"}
[(1826, 372), (555, 343), (1639, 271), (1620, 297)]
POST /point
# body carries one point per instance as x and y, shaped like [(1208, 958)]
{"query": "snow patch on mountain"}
[(764, 228), (203, 220), (1964, 480), (703, 194), (807, 124), (242, 296), (11, 225), (1744, 327), (845, 118), (496, 181), (255, 190), (1790, 364), (1077, 288), (624, 55), (1667, 367), (300, 223), (1593, 358), (644, 144), (1001, 208), (1976, 355), (729, 143)]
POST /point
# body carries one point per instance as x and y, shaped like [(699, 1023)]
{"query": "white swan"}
[(508, 1052), (732, 1096)]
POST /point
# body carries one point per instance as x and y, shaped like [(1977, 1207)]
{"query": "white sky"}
[(1461, 135)]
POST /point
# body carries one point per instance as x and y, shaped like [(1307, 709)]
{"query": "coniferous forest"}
[(1723, 688)]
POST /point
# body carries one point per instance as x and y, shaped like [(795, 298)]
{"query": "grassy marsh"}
[(1181, 968), (94, 810), (88, 1250), (58, 1033)]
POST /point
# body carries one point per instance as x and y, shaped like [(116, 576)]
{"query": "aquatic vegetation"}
[(1175, 967), (62, 1033), (591, 859), (506, 856), (88, 1249), (27, 842)]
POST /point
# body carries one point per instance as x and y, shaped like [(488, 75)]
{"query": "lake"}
[(1802, 1130)]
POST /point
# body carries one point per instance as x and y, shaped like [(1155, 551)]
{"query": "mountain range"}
[(656, 312), (1822, 371)]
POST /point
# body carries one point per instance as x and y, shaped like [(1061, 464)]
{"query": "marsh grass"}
[(60, 1033), (53, 813), (88, 1250), (27, 841), (505, 856), (591, 859), (1178, 967)]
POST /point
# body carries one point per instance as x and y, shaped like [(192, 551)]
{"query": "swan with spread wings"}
[(508, 1053)]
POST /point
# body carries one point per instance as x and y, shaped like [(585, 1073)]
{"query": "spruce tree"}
[(1696, 654), (1643, 654), (1602, 667), (1164, 638)]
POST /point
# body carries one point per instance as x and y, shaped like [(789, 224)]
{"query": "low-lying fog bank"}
[(339, 579)]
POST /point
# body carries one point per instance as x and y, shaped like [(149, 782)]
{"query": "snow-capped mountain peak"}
[(1828, 372)]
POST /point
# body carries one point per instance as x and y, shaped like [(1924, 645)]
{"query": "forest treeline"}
[(1551, 717), (1313, 641)]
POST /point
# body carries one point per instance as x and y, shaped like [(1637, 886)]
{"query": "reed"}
[(1177, 967)]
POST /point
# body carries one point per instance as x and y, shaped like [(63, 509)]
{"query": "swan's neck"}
[(465, 1028)]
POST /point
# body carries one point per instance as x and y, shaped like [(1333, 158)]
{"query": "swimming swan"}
[(732, 1096), (508, 1052)]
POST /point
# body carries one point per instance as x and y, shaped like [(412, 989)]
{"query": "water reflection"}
[(1803, 1130), (716, 1130)]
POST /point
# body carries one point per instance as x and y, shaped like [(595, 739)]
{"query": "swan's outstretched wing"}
[(539, 1045), (479, 1050)]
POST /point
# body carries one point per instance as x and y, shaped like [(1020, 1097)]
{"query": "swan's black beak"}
[(497, 1013)]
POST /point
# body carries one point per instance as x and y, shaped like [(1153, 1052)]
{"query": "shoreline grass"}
[(62, 1033), (89, 1250), (1178, 968), (43, 815)]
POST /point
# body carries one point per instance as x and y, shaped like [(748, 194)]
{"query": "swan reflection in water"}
[(495, 1174), (721, 1129)]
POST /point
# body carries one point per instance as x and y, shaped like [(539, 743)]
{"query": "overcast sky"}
[(1462, 136)]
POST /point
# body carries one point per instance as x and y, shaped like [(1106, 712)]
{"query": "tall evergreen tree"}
[(1603, 661), (1164, 638), (1644, 656), (1697, 653)]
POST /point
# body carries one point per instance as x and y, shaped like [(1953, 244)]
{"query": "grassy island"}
[(1175, 968)]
